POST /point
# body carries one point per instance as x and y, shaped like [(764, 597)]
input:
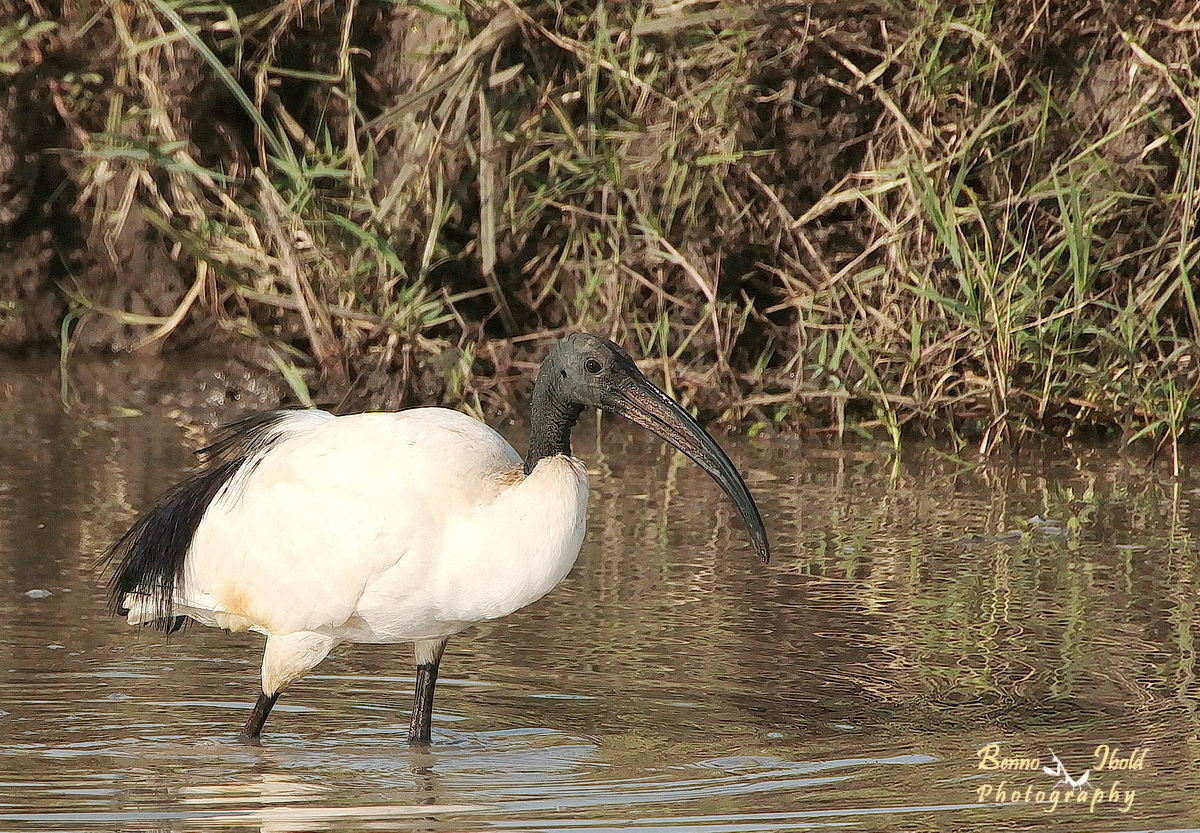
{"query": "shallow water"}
[(917, 610)]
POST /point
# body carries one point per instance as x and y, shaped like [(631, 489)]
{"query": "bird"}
[(388, 527)]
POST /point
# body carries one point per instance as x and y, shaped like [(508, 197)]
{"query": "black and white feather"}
[(152, 556)]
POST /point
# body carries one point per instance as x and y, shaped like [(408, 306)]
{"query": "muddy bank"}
[(803, 215)]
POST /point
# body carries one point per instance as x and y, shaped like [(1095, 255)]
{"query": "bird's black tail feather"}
[(151, 556), (152, 553)]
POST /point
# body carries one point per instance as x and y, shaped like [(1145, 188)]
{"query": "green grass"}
[(967, 218)]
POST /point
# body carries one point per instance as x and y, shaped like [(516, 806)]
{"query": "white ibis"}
[(315, 529)]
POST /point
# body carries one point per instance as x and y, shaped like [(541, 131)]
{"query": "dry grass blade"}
[(905, 217)]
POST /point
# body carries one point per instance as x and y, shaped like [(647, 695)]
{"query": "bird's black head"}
[(588, 370), (584, 369)]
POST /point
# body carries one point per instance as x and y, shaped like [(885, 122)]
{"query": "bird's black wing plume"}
[(244, 437), (151, 556)]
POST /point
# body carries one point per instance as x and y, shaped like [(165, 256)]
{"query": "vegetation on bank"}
[(978, 216)]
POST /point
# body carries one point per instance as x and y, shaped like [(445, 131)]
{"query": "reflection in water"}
[(917, 610)]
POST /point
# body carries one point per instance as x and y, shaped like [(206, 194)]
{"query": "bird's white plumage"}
[(378, 527)]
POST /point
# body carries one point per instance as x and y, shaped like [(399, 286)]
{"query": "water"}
[(916, 611)]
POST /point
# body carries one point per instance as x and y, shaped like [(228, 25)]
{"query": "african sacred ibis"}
[(315, 529)]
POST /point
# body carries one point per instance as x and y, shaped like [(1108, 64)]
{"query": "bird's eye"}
[(592, 366)]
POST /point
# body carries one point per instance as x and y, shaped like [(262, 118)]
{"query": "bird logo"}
[(1060, 772)]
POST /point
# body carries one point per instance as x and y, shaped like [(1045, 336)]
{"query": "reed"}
[(974, 218)]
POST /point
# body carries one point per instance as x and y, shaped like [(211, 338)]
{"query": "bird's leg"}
[(286, 659), (429, 654), (258, 716)]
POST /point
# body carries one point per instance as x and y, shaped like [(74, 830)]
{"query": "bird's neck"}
[(551, 418)]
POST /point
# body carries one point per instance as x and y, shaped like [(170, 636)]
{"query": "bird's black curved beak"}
[(646, 405)]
